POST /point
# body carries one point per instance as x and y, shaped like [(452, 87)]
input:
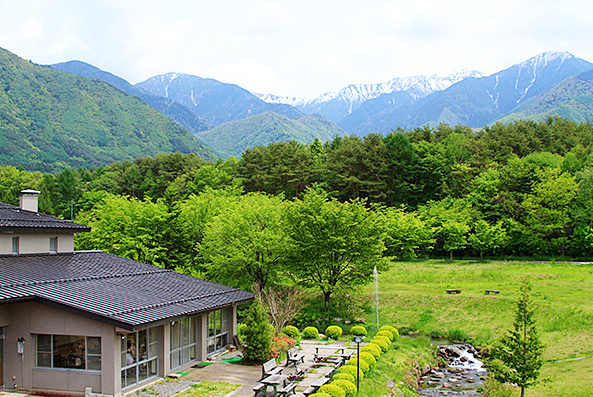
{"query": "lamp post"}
[(357, 339)]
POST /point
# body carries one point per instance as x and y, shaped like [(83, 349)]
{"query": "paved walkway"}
[(249, 376)]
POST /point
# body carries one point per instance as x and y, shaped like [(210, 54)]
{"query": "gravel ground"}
[(164, 388)]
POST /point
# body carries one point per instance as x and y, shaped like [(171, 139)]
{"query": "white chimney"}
[(30, 200)]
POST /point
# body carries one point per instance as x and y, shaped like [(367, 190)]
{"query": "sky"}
[(294, 48)]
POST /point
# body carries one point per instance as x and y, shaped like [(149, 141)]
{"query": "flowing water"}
[(462, 376)]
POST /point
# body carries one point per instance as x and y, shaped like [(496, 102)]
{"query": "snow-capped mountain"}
[(338, 104)]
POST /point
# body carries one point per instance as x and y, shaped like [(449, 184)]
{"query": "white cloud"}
[(294, 48)]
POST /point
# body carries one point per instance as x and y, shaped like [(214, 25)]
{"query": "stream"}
[(461, 377)]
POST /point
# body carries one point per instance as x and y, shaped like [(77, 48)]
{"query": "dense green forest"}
[(522, 189)]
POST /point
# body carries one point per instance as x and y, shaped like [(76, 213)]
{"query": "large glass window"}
[(139, 356), (68, 351), (217, 331), (183, 342)]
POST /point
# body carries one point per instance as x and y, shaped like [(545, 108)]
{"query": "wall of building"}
[(30, 318), (35, 243)]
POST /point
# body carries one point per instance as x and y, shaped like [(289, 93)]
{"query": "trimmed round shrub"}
[(369, 358), (364, 366), (387, 334), (391, 329), (383, 338), (351, 369), (310, 333), (375, 350), (333, 390), (344, 375), (381, 343), (348, 387), (333, 331), (358, 330), (292, 331), (320, 394)]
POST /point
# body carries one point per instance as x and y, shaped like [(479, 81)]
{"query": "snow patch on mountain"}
[(355, 94)]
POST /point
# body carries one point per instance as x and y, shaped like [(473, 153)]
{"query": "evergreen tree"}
[(517, 357), (258, 336)]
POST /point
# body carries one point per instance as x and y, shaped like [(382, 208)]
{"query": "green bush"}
[(258, 336), (310, 333), (348, 387), (358, 330), (344, 375), (320, 394), (381, 343), (391, 329), (242, 331), (351, 369), (374, 349), (364, 366), (386, 334), (369, 358), (384, 339), (333, 332), (457, 335), (292, 331), (333, 390)]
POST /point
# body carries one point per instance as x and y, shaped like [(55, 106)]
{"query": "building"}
[(76, 319)]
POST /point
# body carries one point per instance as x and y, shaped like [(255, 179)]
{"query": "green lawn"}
[(412, 295)]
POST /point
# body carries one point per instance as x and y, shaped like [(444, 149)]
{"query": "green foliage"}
[(382, 338), (363, 365), (245, 244), (386, 334), (320, 394), (310, 333), (352, 370), (318, 228), (333, 390), (346, 385), (258, 336), (358, 330), (292, 331), (391, 329), (333, 332), (517, 356), (55, 120), (242, 331), (493, 388), (344, 375), (382, 343), (369, 358), (374, 349)]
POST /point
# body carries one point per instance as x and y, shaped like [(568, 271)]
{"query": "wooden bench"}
[(488, 291), (259, 389), (453, 291), (316, 385), (270, 368), (318, 357), (293, 356), (288, 389)]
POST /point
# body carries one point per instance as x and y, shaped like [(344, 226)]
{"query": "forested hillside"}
[(520, 189), (51, 120)]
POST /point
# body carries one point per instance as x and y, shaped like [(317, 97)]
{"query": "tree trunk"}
[(522, 391), (326, 295)]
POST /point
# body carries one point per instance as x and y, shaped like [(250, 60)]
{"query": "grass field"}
[(412, 297)]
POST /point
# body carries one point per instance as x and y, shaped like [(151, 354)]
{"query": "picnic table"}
[(331, 356), (274, 381)]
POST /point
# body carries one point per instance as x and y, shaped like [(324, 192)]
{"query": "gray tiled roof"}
[(111, 289), (14, 218)]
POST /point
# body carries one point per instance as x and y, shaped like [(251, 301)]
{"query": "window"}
[(217, 331), (183, 342), (68, 351), (53, 245), (15, 245), (139, 356)]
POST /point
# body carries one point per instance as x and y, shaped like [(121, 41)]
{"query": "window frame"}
[(218, 339), (52, 352), (149, 364)]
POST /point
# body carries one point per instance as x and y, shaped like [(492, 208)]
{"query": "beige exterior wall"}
[(35, 243), (30, 318)]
